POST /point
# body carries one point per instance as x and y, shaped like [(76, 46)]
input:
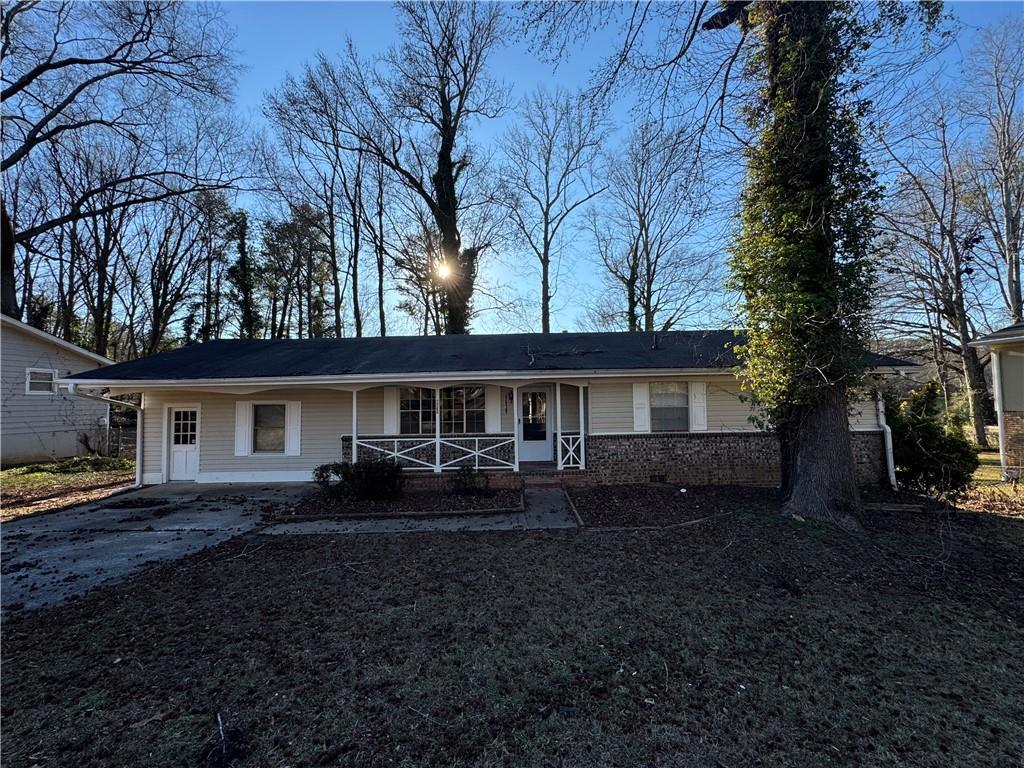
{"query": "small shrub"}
[(328, 477), (470, 482), (374, 479), (929, 457)]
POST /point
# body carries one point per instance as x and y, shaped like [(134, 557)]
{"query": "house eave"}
[(361, 381), (367, 380)]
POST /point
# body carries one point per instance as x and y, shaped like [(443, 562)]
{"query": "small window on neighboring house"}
[(39, 381), (670, 406), (416, 411), (268, 428)]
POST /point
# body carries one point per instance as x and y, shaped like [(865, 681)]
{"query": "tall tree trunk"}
[(820, 473), (8, 292), (977, 392), (380, 252), (545, 291), (332, 240)]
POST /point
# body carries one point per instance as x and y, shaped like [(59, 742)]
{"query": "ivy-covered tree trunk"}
[(801, 261)]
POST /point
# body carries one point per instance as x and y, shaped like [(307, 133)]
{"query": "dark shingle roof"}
[(249, 359), (1013, 332)]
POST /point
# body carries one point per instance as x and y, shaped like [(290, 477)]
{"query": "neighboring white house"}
[(594, 407), (36, 421)]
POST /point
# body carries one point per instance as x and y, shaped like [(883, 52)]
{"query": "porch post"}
[(355, 428), (583, 442), (515, 425), (437, 429), (558, 416)]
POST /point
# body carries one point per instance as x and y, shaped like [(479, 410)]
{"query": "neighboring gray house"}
[(593, 407), (37, 422)]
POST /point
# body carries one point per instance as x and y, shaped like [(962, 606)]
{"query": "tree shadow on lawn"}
[(746, 640)]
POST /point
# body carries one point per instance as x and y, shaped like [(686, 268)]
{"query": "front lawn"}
[(744, 640), (41, 486), (988, 493)]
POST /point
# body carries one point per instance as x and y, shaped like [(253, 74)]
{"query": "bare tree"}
[(71, 67), (548, 175), (376, 219), (167, 269), (994, 97), (412, 110), (936, 238), (643, 231)]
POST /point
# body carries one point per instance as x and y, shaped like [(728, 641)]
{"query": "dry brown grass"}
[(746, 640)]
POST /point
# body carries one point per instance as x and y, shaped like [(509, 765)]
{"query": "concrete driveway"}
[(50, 557)]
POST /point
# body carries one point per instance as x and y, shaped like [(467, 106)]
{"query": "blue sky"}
[(277, 38)]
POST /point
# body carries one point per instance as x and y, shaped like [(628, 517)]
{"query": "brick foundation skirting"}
[(685, 458), (1013, 442), (692, 458)]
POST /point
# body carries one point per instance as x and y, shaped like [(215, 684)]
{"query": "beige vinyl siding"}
[(326, 417), (152, 435), (570, 408), (41, 426), (611, 406), (370, 404), (864, 416), (727, 412), (1011, 375), (508, 419)]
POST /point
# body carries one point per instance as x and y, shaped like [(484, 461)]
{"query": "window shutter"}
[(243, 428), (641, 407), (292, 428), (390, 410), (698, 406), (492, 410)]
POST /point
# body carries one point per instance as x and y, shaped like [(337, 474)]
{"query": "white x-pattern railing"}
[(570, 455), (405, 450)]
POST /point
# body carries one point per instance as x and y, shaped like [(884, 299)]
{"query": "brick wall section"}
[(1013, 441), (707, 459), (741, 458)]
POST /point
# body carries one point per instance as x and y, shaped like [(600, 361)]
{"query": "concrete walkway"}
[(50, 557), (545, 508)]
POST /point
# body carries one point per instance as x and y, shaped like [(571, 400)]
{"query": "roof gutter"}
[(73, 390)]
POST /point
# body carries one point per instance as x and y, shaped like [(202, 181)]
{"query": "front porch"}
[(540, 425)]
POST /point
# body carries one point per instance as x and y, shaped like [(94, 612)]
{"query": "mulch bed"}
[(762, 641), (319, 505), (659, 505)]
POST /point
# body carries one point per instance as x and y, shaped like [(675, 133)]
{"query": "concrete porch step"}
[(541, 481)]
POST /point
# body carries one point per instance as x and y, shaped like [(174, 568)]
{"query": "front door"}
[(184, 444), (534, 425)]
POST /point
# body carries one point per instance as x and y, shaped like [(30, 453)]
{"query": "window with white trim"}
[(670, 406), (463, 411), (416, 411), (39, 381), (268, 420)]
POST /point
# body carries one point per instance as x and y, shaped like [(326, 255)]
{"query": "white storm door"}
[(184, 444), (534, 424)]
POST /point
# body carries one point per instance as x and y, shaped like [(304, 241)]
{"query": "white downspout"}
[(72, 390), (997, 396), (890, 464)]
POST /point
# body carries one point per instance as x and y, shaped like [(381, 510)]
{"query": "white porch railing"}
[(445, 453), (570, 453)]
